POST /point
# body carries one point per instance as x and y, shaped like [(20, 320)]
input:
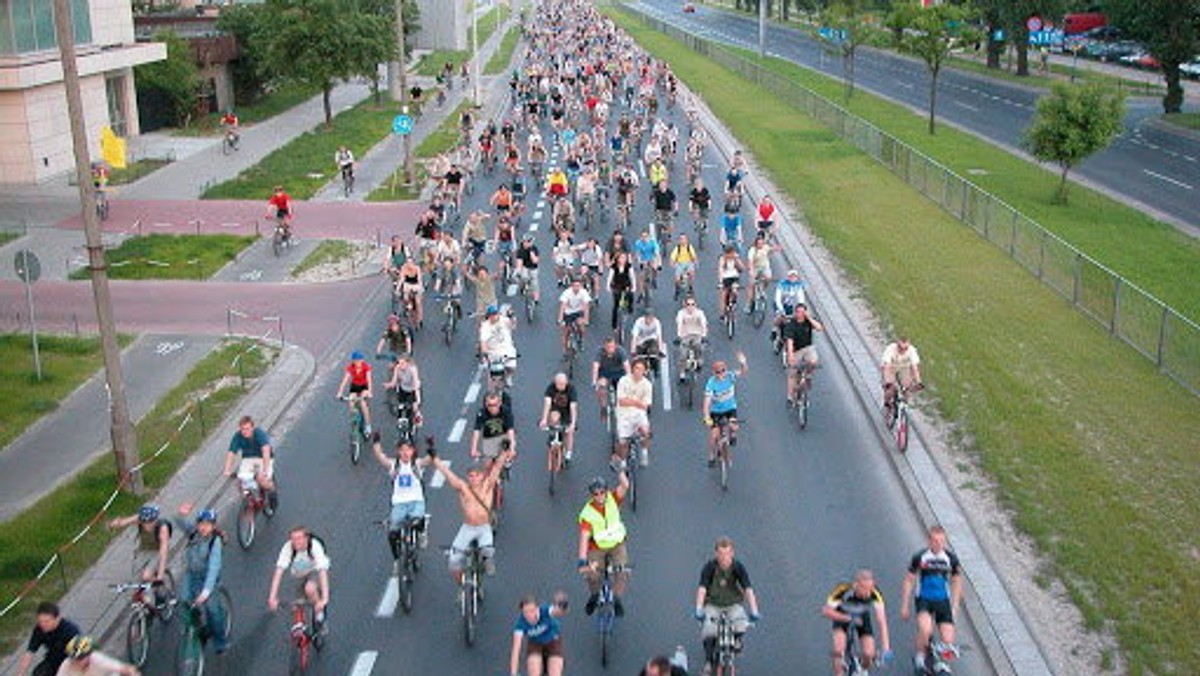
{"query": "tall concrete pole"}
[(762, 28), (401, 83), (124, 440), (476, 71)]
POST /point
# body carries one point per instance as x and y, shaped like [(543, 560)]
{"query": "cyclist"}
[(648, 255), (585, 192), (935, 574), (397, 254), (395, 338), (539, 624), (455, 183), (627, 185), (410, 288), (789, 292), (84, 660), (408, 493), (566, 255), (731, 227), (202, 570), (683, 260), (665, 208), (306, 562), (602, 540), (758, 265), (733, 179), (496, 340), (556, 184), (358, 378), (232, 126), (505, 240), (720, 403), (699, 200), (574, 306), (610, 365), (150, 556), (616, 245), (494, 430), (591, 259), (729, 272), (344, 159), (406, 384), (252, 447), (724, 588), (860, 603), (475, 501), (691, 331), (563, 216), (502, 199), (474, 236), (656, 170), (646, 339), (623, 284), (279, 207), (560, 406), (485, 290), (527, 259), (798, 345), (53, 631), (765, 217), (901, 365), (635, 395)]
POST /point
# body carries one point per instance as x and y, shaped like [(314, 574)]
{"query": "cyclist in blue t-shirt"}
[(936, 575), (720, 403), (731, 230), (257, 453), (647, 254), (539, 624)]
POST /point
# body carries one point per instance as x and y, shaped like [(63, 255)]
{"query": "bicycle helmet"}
[(356, 355), (492, 310), (148, 513), (597, 484), (80, 647), (793, 273), (393, 319), (209, 515), (648, 311)]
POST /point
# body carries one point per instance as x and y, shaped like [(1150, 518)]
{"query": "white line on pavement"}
[(664, 373), (438, 480), (456, 432), (642, 168), (541, 204), (472, 394), (364, 663), (533, 227), (1168, 179), (537, 215), (387, 604), (968, 106)]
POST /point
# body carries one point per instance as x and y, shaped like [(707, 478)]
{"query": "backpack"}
[(217, 533), (311, 538)]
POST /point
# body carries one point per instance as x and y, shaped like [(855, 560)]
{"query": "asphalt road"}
[(805, 508), (1158, 169)]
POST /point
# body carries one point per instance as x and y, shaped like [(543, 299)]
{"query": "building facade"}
[(33, 104)]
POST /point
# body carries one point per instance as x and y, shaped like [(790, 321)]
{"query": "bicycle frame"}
[(555, 449), (606, 615), (303, 635)]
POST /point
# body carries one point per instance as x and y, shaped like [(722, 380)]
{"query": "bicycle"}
[(802, 377), (631, 467), (729, 312), (357, 435), (470, 590), (556, 460), (689, 374), (229, 144), (527, 289), (574, 347), (407, 427), (724, 448), (683, 285), (895, 414), (347, 181), (253, 502), (938, 659), (728, 646), (305, 637), (852, 663), (452, 312), (281, 236), (606, 613), (101, 204), (700, 225), (190, 658), (405, 543), (759, 302), (150, 600), (664, 220)]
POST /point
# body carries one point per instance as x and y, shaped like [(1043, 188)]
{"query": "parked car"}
[(1191, 69), (1113, 51), (1141, 60)]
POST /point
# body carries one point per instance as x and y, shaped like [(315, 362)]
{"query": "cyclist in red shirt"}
[(279, 207), (766, 218), (358, 377)]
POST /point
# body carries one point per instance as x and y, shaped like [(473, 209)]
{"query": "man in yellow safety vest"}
[(602, 540)]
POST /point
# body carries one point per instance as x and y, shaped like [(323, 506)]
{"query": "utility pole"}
[(475, 71), (400, 82), (762, 29), (124, 440)]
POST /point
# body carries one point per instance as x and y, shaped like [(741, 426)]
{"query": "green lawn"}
[(508, 44), (66, 363), (305, 163), (135, 170), (1060, 72), (7, 236), (1092, 450), (266, 107), (439, 140), (1185, 120), (328, 251), (29, 540), (160, 256)]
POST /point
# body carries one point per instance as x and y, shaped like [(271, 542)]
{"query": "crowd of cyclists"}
[(586, 93)]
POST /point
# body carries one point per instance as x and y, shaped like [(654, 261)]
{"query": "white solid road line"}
[(364, 663), (1168, 179), (968, 106), (472, 393), (664, 376), (456, 432), (386, 608)]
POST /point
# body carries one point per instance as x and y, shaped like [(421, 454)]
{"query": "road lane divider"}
[(387, 605), (456, 433), (364, 663)]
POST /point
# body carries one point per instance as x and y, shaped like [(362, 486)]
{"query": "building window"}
[(28, 25), (118, 116)]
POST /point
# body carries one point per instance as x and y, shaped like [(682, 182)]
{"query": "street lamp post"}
[(124, 440), (401, 81), (475, 52), (762, 29)]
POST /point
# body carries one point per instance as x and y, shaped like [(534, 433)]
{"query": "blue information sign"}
[(402, 124)]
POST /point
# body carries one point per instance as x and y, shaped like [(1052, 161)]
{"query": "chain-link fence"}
[(1150, 326)]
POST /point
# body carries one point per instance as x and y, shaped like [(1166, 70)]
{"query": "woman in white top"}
[(729, 271), (408, 494)]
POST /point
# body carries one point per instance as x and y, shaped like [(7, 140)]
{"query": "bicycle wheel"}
[(530, 306), (277, 242), (730, 321), (725, 464), (166, 610), (687, 391), (355, 445), (632, 472), (190, 660), (902, 431), (802, 405), (448, 328), (245, 523), (137, 637), (404, 581), (226, 602), (299, 656), (759, 312), (468, 612)]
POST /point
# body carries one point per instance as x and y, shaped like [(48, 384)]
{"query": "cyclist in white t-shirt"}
[(408, 494), (304, 559), (574, 305)]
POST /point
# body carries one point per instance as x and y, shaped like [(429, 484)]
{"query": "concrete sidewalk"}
[(88, 603)]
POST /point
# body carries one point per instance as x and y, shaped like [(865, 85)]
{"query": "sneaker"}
[(645, 458), (567, 458), (733, 440), (618, 607), (273, 500), (423, 540), (712, 462), (489, 566), (590, 606)]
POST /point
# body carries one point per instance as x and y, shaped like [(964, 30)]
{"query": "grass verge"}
[(305, 163), (266, 107), (438, 141), (503, 54), (1101, 483), (160, 256), (29, 540), (1150, 253), (135, 170), (328, 251), (1185, 120), (66, 363), (1059, 73), (7, 236)]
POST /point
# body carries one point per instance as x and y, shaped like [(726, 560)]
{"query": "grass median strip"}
[(328, 251), (160, 256), (438, 141), (305, 163), (30, 539), (503, 55), (1091, 448)]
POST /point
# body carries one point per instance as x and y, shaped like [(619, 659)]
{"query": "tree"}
[(1170, 29), (175, 79), (1073, 122), (930, 34), (847, 19)]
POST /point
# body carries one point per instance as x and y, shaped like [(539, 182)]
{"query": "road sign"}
[(1034, 23), (29, 268), (402, 124)]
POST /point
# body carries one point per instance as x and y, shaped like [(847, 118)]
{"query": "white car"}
[(1191, 68)]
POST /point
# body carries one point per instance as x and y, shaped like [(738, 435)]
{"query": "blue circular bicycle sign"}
[(402, 124)]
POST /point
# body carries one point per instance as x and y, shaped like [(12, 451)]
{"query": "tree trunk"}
[(848, 68), (1022, 44), (375, 93), (785, 6), (1062, 184), (1173, 100), (994, 47), (933, 78), (326, 90)]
